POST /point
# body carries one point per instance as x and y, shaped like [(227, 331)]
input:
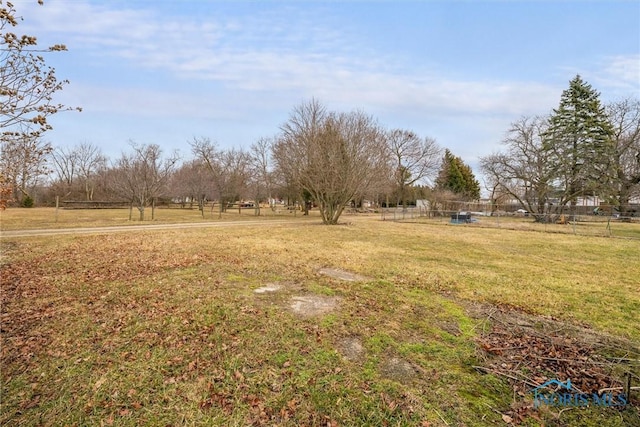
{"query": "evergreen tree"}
[(580, 141), (457, 177)]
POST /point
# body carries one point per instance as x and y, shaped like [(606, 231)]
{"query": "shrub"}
[(27, 202)]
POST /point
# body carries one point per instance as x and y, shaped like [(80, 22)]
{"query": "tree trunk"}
[(623, 200)]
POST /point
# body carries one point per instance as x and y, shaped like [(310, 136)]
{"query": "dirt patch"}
[(351, 349), (341, 274), (449, 326), (314, 305), (529, 350)]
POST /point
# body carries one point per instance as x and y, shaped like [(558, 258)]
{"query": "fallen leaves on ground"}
[(530, 350)]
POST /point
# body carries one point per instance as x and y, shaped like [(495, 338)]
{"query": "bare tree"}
[(141, 176), (76, 169), (90, 161), (228, 170), (23, 162), (190, 183), (524, 171), (624, 116), (332, 156), (413, 160), (64, 164), (262, 178)]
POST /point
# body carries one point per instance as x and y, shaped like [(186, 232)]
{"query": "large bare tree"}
[(524, 171), (624, 116), (332, 156), (413, 160)]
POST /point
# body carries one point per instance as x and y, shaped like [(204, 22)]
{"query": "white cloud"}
[(622, 72), (272, 52), (240, 69)]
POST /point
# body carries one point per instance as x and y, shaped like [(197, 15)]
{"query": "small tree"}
[(141, 176), (76, 169), (228, 170), (261, 181), (190, 182)]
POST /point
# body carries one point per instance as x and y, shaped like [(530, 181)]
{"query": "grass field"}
[(166, 327), (40, 218)]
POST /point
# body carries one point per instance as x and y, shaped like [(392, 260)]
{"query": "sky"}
[(165, 72)]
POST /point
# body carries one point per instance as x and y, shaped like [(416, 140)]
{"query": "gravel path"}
[(151, 227)]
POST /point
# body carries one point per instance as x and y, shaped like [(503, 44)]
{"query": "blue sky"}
[(164, 72)]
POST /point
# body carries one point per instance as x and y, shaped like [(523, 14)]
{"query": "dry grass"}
[(587, 225), (163, 328), (41, 218)]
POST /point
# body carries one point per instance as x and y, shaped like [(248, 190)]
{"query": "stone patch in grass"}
[(398, 369), (341, 274), (351, 349), (313, 305), (268, 288)]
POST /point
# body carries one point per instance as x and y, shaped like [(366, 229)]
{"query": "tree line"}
[(324, 158)]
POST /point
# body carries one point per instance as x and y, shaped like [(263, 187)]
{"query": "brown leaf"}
[(99, 383)]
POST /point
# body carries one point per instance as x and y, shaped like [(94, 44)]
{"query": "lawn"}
[(166, 327)]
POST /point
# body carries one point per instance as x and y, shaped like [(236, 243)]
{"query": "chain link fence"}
[(594, 224)]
